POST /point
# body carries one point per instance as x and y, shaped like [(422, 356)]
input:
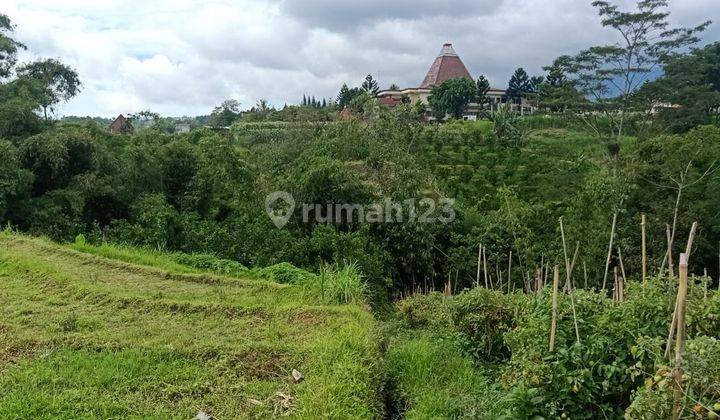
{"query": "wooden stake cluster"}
[(568, 281), (673, 322), (609, 254)]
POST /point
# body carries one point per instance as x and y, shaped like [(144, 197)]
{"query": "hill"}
[(82, 335)]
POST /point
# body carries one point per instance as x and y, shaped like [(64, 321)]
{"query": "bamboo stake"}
[(622, 266), (553, 325), (477, 277), (616, 287), (572, 305), (565, 254), (509, 270), (669, 250), (585, 274), (673, 322), (609, 255), (485, 266), (574, 260), (644, 250), (691, 239), (680, 342)]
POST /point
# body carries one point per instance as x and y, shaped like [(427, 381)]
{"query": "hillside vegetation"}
[(83, 335)]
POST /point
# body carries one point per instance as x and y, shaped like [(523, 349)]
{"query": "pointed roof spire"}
[(447, 65)]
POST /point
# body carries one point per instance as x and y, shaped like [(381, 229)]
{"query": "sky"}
[(184, 57)]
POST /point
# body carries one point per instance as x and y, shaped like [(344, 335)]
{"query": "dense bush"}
[(204, 191), (612, 369)]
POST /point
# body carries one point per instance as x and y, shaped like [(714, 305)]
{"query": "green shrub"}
[(211, 263), (423, 311), (286, 273), (483, 317), (701, 385)]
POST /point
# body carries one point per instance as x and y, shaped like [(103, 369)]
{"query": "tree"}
[(688, 94), (556, 92), (57, 81), (144, 116), (370, 85), (609, 75), (227, 113), (535, 83), (452, 97), (8, 47), (556, 77), (519, 85), (346, 95), (394, 87), (483, 86)]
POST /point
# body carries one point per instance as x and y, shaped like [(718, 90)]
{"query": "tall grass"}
[(342, 285)]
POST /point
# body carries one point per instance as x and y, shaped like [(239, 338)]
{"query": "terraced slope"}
[(85, 336)]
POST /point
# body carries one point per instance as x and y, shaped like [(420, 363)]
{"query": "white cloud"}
[(182, 57)]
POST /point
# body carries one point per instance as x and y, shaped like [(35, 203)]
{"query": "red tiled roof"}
[(447, 65), (389, 102)]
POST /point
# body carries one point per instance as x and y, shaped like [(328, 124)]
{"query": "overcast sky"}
[(183, 57)]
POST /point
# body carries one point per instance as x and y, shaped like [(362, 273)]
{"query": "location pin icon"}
[(279, 214)]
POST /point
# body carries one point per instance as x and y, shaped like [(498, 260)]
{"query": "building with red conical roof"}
[(447, 65)]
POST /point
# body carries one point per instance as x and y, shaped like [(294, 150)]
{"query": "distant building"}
[(182, 128), (121, 125), (447, 65)]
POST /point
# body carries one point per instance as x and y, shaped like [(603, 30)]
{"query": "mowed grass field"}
[(86, 336)]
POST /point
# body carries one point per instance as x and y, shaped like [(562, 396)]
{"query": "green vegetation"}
[(483, 352), (163, 288), (86, 335)]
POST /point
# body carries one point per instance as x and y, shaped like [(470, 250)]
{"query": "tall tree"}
[(58, 82), (8, 47), (483, 86), (556, 92), (346, 95), (555, 77), (535, 82), (370, 85), (688, 94), (144, 116), (452, 97), (519, 85), (610, 74), (225, 114)]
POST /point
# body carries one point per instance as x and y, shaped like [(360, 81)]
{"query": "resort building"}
[(447, 65)]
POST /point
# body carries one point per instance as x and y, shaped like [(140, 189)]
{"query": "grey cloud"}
[(339, 15), (282, 49)]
